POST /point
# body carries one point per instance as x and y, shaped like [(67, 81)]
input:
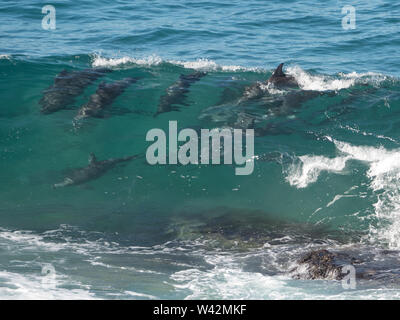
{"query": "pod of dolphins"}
[(68, 85)]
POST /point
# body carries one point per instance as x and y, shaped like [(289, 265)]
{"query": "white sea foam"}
[(28, 240), (153, 60), (227, 283), (209, 65), (372, 78), (306, 80), (99, 61), (338, 197), (308, 169), (140, 295), (227, 280), (46, 275), (5, 56), (36, 287), (319, 82), (309, 81), (383, 173)]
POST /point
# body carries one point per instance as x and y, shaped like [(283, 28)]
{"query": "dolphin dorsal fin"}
[(279, 72), (92, 158)]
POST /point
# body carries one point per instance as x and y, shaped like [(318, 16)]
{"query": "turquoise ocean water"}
[(326, 172)]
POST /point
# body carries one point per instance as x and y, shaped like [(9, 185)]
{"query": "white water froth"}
[(17, 286), (309, 168), (44, 274), (140, 295), (153, 60), (228, 281), (99, 61), (320, 82), (384, 175), (306, 80)]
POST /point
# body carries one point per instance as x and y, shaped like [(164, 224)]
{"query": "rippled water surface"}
[(327, 155)]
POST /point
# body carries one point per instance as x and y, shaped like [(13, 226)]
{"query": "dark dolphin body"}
[(257, 92), (176, 93), (94, 170), (257, 105), (105, 94), (278, 79), (68, 85)]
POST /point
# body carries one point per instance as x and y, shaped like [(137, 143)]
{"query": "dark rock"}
[(322, 264), (373, 267)]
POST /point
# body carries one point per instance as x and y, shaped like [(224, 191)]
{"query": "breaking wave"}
[(154, 60), (318, 82), (306, 80), (383, 173)]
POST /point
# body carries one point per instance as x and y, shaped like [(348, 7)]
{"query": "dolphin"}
[(176, 93), (278, 80), (94, 170), (257, 105), (68, 85), (104, 96)]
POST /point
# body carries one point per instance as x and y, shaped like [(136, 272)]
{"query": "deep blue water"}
[(326, 173)]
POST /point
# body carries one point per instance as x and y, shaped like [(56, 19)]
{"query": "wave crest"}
[(383, 173)]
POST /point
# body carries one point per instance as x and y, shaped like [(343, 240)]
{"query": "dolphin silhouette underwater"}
[(94, 170), (256, 91), (176, 93), (104, 96), (68, 85), (256, 104)]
